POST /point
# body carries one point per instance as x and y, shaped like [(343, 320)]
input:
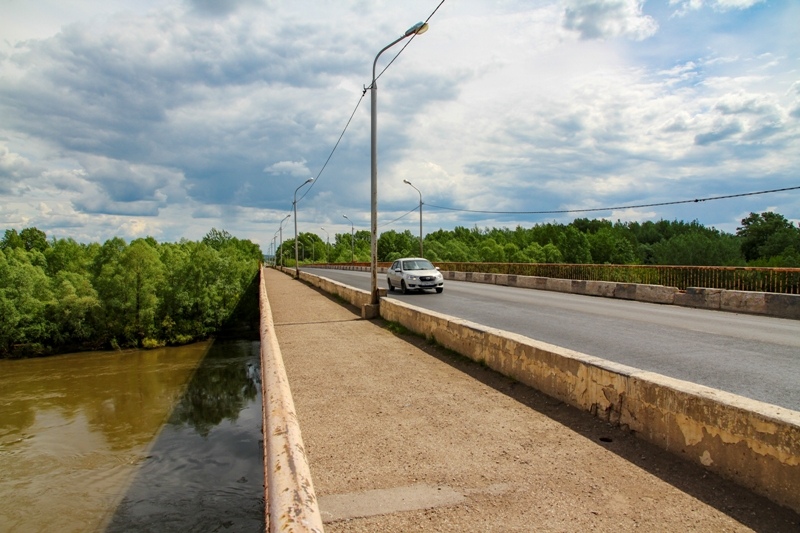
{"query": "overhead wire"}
[(398, 218), (359, 103), (638, 206)]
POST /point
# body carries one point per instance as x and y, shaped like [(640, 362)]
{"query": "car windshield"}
[(419, 264)]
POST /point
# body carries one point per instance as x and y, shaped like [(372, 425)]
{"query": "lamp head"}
[(407, 182), (419, 28)]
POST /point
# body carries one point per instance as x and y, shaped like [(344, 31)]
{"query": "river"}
[(157, 440)]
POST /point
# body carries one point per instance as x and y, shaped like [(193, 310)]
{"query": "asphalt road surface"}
[(753, 356)]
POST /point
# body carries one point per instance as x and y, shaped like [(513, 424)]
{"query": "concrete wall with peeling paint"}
[(754, 444)]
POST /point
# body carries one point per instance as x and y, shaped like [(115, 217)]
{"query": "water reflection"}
[(220, 390), (205, 470), (74, 427), (162, 440)]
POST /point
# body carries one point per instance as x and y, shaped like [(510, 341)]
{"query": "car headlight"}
[(411, 278)]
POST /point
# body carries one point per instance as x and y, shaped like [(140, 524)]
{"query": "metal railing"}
[(780, 280), (756, 279)]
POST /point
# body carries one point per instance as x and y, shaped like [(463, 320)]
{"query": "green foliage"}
[(765, 239), (61, 295), (768, 235)]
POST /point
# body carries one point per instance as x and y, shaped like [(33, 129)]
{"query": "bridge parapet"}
[(291, 503)]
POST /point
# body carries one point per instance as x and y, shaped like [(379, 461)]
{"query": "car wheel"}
[(403, 287), (439, 290), (389, 283)]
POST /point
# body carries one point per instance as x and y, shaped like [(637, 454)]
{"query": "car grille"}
[(426, 278)]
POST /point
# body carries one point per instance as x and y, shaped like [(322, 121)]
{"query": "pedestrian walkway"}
[(404, 436)]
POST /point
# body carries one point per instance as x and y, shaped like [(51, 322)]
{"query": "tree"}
[(697, 249), (11, 239), (606, 245), (767, 235), (142, 273), (25, 294), (34, 239), (574, 246), (392, 245)]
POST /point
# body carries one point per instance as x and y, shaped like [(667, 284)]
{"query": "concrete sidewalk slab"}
[(387, 414)]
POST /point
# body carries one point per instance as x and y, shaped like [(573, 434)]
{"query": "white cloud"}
[(718, 5), (604, 19), (293, 168), (182, 118)]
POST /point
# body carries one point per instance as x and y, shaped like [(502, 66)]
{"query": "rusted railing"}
[(780, 280), (289, 492)]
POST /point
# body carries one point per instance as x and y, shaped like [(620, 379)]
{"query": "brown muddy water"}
[(158, 440)]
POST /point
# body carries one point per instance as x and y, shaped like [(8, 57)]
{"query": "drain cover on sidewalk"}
[(384, 501)]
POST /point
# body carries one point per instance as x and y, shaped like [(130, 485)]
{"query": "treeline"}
[(765, 239), (60, 295)]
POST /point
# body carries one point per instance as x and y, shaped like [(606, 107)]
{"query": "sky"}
[(168, 118)]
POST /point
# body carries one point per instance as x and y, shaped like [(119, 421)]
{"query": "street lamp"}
[(420, 216), (328, 247), (294, 204), (416, 29), (274, 249), (281, 232), (352, 240)]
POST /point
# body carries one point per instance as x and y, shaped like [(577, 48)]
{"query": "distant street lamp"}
[(274, 249), (417, 29), (281, 232), (294, 204), (328, 247), (420, 216), (352, 240)]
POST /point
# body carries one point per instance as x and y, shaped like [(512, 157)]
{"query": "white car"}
[(414, 273)]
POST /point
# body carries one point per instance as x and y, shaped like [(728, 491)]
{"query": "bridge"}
[(403, 434)]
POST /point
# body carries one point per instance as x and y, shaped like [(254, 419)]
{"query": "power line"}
[(696, 200), (359, 103), (335, 146), (398, 218)]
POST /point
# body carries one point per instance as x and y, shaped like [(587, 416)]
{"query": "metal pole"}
[(294, 204), (416, 29), (352, 240), (420, 216), (281, 232), (328, 247)]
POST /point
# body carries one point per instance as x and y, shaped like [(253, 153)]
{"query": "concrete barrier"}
[(291, 504), (759, 303), (752, 443)]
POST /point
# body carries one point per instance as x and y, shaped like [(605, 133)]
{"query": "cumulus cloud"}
[(604, 19), (206, 114), (293, 168), (718, 5)]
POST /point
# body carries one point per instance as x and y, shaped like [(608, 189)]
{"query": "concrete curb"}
[(752, 443)]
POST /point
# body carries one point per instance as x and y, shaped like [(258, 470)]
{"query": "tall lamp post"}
[(280, 229), (294, 204), (417, 29), (274, 249), (352, 241), (420, 216), (328, 247)]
